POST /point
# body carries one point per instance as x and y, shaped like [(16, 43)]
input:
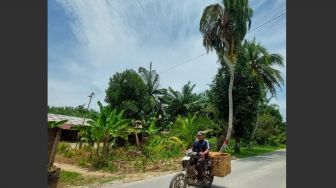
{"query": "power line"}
[(190, 60), (269, 21), (270, 26)]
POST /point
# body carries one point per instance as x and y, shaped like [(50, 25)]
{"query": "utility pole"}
[(87, 109)]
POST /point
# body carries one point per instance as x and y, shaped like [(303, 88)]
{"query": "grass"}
[(128, 162), (256, 150), (68, 178)]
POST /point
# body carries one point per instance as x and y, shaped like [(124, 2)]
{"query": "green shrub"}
[(274, 141), (98, 162), (65, 149), (140, 163), (161, 147), (83, 162), (213, 143), (111, 167)]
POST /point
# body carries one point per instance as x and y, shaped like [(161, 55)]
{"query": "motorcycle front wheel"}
[(178, 181)]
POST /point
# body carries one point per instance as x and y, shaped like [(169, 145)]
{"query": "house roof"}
[(72, 120)]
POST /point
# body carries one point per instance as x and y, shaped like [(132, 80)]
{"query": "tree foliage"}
[(262, 65), (109, 125), (272, 129), (126, 91), (224, 26), (152, 81), (185, 128), (78, 111), (180, 102), (247, 94)]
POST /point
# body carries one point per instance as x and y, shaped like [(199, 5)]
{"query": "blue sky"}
[(89, 41)]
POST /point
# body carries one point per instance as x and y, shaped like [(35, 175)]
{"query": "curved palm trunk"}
[(228, 134)]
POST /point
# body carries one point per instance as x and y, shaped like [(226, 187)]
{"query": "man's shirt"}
[(200, 146)]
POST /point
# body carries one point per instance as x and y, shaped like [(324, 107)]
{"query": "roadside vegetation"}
[(237, 105)]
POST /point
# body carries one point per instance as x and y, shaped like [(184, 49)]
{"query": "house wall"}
[(69, 135)]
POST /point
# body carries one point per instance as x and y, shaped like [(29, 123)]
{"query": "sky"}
[(90, 40)]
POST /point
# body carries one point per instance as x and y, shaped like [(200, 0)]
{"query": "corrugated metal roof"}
[(72, 120)]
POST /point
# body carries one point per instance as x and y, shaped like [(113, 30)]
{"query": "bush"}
[(276, 140), (65, 149), (213, 143), (111, 167), (160, 147)]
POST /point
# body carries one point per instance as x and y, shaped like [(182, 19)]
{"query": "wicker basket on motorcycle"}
[(220, 163)]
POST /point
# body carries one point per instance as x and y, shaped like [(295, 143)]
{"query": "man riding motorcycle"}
[(196, 166), (201, 146)]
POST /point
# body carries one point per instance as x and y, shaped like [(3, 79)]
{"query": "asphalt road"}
[(264, 171)]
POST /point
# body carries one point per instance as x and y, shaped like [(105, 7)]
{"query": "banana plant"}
[(185, 129), (109, 125)]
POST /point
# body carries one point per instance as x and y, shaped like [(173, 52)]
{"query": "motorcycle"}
[(188, 175)]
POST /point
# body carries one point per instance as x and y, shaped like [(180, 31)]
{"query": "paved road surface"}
[(264, 171)]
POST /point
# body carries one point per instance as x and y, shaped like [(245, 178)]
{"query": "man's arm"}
[(193, 147), (206, 152)]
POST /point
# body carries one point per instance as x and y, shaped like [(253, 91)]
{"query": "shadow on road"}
[(218, 186), (265, 157), (258, 158)]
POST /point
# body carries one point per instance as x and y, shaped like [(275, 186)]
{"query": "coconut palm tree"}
[(179, 103), (152, 81), (262, 65), (224, 28)]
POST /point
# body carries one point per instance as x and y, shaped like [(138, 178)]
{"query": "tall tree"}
[(128, 92), (272, 129), (152, 81), (224, 28), (180, 102), (262, 65), (247, 94)]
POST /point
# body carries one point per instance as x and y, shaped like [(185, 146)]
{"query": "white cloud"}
[(116, 34)]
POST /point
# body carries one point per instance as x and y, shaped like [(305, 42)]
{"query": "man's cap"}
[(200, 133)]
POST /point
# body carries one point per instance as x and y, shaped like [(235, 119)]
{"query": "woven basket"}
[(220, 163)]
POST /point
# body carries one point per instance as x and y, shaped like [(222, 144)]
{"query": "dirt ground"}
[(67, 165)]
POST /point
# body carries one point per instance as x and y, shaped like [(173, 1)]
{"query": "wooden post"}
[(53, 177), (54, 138)]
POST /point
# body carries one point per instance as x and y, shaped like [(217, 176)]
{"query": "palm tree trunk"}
[(237, 146), (254, 130), (228, 134)]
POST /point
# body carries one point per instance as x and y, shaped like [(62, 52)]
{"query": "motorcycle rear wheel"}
[(178, 181), (208, 185)]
